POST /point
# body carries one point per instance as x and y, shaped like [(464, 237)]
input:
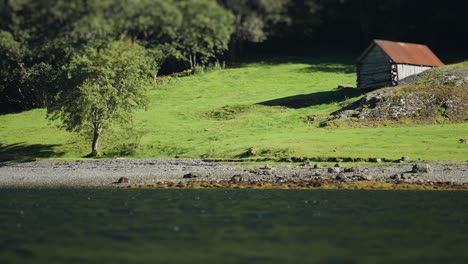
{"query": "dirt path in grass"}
[(105, 173)]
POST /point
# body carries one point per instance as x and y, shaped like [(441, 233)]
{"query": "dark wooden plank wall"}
[(374, 70)]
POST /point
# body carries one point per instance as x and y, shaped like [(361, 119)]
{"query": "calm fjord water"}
[(232, 226)]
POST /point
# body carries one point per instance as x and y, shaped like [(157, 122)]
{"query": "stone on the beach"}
[(123, 180), (341, 177), (267, 167), (365, 177), (306, 163), (317, 184), (337, 165), (190, 176), (354, 169), (421, 168), (316, 166), (334, 170), (236, 178)]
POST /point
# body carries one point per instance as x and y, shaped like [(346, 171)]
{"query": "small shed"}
[(385, 63)]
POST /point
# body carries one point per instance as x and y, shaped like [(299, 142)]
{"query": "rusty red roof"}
[(409, 53)]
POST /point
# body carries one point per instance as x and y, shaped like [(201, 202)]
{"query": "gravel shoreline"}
[(106, 173)]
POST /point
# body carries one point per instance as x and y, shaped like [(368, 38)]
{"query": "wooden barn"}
[(385, 63)]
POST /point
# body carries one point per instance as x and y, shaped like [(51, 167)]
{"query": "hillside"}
[(274, 107), (439, 95)]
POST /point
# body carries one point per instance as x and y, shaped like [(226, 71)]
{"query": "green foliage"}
[(205, 31), (39, 38), (256, 20), (23, 83), (105, 87), (215, 66), (152, 21), (10, 48)]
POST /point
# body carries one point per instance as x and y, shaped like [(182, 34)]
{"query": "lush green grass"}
[(221, 114)]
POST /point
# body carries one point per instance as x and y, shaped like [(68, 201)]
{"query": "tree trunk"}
[(155, 75), (194, 61), (236, 49), (191, 62), (96, 138)]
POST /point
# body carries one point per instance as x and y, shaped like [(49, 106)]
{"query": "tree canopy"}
[(38, 38), (205, 31), (106, 85)]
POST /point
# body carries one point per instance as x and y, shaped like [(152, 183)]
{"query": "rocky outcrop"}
[(430, 97)]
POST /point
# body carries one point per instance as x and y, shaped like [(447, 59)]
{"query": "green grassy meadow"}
[(220, 114)]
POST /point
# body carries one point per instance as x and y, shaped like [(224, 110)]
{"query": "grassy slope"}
[(218, 115)]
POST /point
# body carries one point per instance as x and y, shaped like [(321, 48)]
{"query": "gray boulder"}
[(422, 168), (341, 177), (236, 178)]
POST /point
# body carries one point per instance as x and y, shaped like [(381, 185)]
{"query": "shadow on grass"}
[(339, 62), (20, 152), (307, 100), (327, 67)]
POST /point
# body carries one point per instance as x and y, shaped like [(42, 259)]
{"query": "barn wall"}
[(374, 69), (405, 70)]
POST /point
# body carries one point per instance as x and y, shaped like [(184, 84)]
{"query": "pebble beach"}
[(108, 173)]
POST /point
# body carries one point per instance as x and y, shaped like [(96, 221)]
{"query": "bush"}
[(215, 66)]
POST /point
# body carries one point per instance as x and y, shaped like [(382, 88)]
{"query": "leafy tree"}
[(23, 83), (150, 21), (39, 37), (105, 87), (96, 24), (205, 31), (256, 20), (33, 47)]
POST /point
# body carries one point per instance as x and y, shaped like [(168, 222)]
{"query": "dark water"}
[(232, 226)]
